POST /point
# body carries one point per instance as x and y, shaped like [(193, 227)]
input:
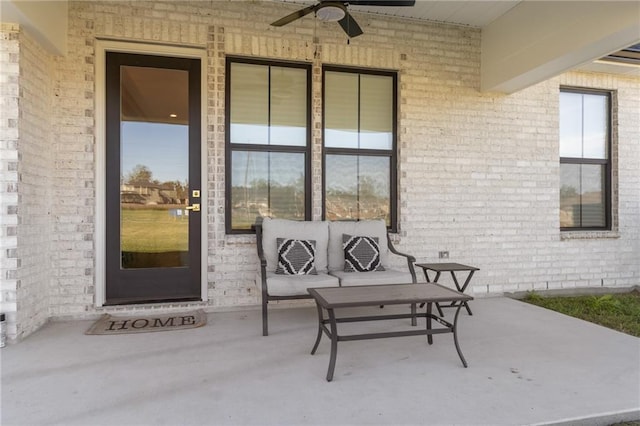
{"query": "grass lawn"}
[(153, 231), (619, 311)]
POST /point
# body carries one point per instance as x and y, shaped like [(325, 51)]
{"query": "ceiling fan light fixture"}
[(331, 12)]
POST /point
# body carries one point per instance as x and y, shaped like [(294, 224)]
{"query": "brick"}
[(478, 172)]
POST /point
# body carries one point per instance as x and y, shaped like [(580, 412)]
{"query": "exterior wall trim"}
[(109, 45)]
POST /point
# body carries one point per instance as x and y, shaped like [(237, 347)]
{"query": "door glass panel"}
[(154, 188)]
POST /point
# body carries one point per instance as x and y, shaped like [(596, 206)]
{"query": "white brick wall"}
[(35, 172), (9, 114), (478, 174), (74, 171), (27, 179)]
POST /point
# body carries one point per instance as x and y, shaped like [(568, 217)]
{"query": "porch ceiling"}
[(523, 42), (527, 42), (468, 13), (44, 20)]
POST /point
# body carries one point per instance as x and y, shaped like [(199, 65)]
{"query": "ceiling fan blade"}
[(295, 15), (350, 26), (393, 3)]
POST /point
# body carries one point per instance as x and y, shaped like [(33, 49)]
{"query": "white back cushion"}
[(300, 230), (363, 228)]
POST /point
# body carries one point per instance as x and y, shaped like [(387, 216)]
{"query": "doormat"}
[(108, 324)]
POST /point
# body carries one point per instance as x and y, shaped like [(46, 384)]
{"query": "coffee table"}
[(332, 298)]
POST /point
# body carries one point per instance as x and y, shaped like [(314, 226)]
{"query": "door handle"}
[(194, 207)]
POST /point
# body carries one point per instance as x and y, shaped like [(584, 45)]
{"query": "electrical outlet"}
[(443, 255)]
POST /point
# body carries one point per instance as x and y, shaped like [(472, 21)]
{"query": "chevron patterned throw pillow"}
[(361, 254), (296, 257)]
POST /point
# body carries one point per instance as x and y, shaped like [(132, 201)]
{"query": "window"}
[(585, 160), (359, 145), (268, 134)]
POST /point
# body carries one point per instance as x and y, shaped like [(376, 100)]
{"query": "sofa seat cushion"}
[(296, 285), (272, 229), (389, 276), (363, 228)]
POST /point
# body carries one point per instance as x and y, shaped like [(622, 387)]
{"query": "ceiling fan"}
[(332, 10)]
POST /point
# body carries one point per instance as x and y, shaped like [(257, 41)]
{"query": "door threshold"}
[(138, 302)]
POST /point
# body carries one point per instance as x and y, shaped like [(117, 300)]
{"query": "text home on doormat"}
[(108, 324)]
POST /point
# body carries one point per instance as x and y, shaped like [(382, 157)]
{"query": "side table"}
[(439, 268)]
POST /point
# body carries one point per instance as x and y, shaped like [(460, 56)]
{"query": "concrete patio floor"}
[(527, 365)]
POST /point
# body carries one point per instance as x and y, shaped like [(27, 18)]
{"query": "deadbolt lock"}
[(195, 193), (194, 207)]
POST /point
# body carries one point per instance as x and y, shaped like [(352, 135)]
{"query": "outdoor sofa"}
[(285, 269)]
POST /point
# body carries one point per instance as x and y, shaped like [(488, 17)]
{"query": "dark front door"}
[(153, 197)]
